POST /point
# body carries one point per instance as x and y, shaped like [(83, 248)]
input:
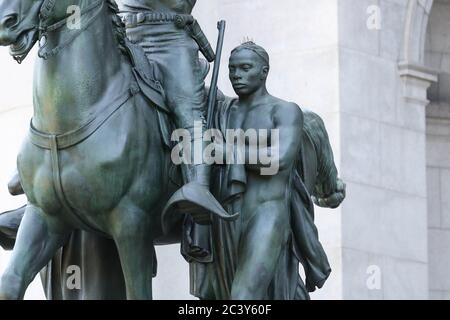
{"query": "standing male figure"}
[(258, 255), (172, 38), (265, 221)]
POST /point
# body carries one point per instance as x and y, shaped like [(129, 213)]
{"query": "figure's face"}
[(248, 72)]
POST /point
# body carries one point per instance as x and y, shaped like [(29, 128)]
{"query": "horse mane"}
[(118, 26)]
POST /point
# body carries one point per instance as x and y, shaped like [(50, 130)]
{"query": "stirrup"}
[(195, 199)]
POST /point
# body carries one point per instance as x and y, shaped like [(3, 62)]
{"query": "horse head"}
[(19, 25), (23, 22)]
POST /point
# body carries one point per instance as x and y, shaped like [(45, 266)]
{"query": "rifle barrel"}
[(215, 76)]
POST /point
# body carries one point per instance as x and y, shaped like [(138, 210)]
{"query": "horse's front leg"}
[(38, 239), (132, 233)]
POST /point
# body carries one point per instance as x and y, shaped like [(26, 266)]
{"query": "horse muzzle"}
[(19, 31), (8, 35), (20, 43)]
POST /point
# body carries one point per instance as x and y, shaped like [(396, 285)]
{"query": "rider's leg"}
[(176, 55), (131, 229), (38, 239), (185, 90), (194, 197), (261, 244)]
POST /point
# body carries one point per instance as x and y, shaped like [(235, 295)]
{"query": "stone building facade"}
[(378, 72)]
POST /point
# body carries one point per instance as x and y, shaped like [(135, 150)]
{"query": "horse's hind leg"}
[(37, 241), (132, 232)]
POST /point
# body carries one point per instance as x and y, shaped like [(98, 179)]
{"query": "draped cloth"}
[(94, 257), (98, 264), (214, 280)]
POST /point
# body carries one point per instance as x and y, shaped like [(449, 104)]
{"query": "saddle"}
[(150, 81), (148, 78)]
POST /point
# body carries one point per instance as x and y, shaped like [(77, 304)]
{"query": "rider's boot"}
[(194, 197)]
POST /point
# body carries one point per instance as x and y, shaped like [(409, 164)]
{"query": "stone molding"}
[(416, 80)]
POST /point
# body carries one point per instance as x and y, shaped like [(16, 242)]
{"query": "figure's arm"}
[(288, 120)]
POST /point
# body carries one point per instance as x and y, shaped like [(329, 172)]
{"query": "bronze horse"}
[(95, 158)]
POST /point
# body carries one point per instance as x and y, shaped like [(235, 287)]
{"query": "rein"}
[(44, 29), (56, 143)]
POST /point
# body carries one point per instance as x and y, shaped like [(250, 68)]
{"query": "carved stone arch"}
[(415, 75), (415, 30)]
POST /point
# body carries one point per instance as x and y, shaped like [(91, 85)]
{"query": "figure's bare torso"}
[(178, 6), (263, 188)]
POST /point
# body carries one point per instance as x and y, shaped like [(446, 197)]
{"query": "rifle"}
[(215, 76)]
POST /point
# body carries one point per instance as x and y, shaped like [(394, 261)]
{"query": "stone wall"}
[(438, 151), (382, 146), (438, 187)]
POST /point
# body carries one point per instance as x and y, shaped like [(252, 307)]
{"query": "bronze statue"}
[(171, 37), (97, 172), (257, 256), (97, 157)]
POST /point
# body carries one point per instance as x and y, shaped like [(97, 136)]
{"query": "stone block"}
[(439, 259), (434, 197)]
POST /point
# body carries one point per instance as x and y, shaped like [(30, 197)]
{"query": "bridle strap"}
[(45, 13), (46, 9)]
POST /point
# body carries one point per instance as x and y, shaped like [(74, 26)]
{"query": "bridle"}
[(45, 29)]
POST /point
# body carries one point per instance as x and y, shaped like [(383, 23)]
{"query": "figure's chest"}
[(255, 119), (258, 122)]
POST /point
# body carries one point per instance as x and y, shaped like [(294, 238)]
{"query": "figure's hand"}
[(193, 249), (202, 218), (334, 200), (195, 213), (219, 150)]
